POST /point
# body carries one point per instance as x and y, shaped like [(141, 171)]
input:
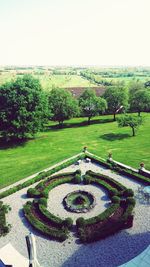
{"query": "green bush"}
[(107, 179), (58, 234), (58, 222), (131, 200), (32, 192), (128, 192), (87, 179), (120, 170), (4, 227), (68, 222), (78, 172), (80, 222), (77, 179), (115, 199), (113, 192), (43, 201)]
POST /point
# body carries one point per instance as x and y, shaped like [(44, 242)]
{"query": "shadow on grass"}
[(114, 137), (13, 143), (78, 124)]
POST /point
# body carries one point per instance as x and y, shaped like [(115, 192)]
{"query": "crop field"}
[(47, 148)]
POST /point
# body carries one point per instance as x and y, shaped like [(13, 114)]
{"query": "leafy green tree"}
[(131, 121), (91, 105), (117, 99), (140, 101), (62, 105), (23, 108)]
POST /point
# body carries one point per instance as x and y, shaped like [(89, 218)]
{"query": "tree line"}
[(25, 107)]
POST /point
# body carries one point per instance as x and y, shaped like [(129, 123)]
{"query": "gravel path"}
[(111, 252), (59, 192)]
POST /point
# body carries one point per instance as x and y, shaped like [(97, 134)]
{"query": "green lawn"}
[(54, 145)]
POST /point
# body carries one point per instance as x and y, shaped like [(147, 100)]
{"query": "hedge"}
[(109, 180), (58, 222), (101, 217), (111, 190), (41, 186), (141, 177), (55, 183), (58, 234), (4, 227), (40, 176)]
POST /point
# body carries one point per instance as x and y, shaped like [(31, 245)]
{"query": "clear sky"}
[(75, 32)]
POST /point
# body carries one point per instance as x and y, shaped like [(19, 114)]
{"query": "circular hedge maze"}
[(79, 201), (118, 215)]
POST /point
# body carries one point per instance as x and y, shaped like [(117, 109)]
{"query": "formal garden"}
[(73, 198)]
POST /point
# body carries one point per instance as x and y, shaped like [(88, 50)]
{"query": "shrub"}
[(68, 222), (87, 179), (77, 179), (58, 234), (32, 192), (80, 222), (104, 215), (43, 201), (131, 200), (4, 227), (78, 172), (58, 222), (115, 199), (113, 192), (128, 192)]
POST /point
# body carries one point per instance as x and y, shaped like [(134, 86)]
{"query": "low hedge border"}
[(101, 217), (125, 221), (58, 234), (40, 176), (113, 166), (58, 222), (4, 227), (109, 180), (41, 188), (42, 184), (111, 190)]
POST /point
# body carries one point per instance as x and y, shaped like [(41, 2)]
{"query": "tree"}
[(140, 101), (23, 108), (62, 105), (117, 99), (90, 104), (131, 121)]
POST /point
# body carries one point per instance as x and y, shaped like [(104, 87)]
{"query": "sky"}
[(75, 32)]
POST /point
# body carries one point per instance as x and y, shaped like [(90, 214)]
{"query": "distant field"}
[(53, 145), (48, 80), (65, 80)]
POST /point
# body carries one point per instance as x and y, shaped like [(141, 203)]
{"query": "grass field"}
[(48, 81), (53, 145)]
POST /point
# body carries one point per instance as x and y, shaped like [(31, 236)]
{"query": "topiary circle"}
[(79, 201)]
